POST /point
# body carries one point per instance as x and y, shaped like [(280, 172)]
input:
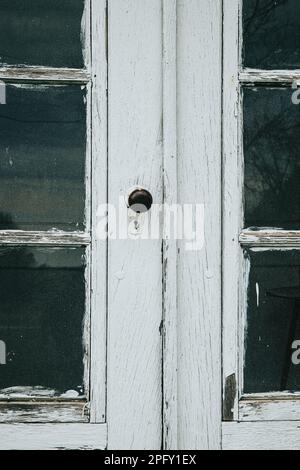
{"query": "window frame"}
[(94, 78), (238, 406)]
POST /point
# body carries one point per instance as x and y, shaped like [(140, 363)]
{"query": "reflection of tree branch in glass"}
[(43, 157), (272, 164), (271, 34), (46, 32), (257, 13)]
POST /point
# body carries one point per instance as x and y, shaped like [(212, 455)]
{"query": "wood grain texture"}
[(270, 238), (99, 196), (261, 436), (270, 408), (43, 75), (232, 206), (86, 34), (57, 238), (170, 363), (53, 436), (269, 77), (38, 412), (199, 78), (134, 393)]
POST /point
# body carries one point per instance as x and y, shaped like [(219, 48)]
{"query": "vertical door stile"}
[(134, 266), (199, 76), (99, 196), (232, 208), (170, 419)]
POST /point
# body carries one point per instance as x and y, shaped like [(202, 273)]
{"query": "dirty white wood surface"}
[(270, 407), (232, 207), (56, 238), (53, 436), (270, 238), (134, 362), (43, 412), (199, 273), (261, 436), (43, 75), (256, 76), (99, 196), (170, 417)]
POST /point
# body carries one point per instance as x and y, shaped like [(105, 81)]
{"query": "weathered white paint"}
[(55, 237), (41, 405), (87, 55), (43, 75), (199, 81), (270, 238), (86, 36), (276, 77), (235, 267), (243, 284), (23, 392), (232, 207), (261, 436), (43, 412), (170, 418), (99, 196), (86, 325), (270, 407), (53, 436), (134, 393)]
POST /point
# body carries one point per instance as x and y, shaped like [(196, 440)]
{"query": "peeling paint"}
[(230, 394)]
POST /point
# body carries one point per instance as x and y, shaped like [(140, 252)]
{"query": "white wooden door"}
[(150, 83), (164, 302), (261, 407)]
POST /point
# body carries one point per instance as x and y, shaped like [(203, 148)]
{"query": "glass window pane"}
[(273, 322), (272, 162), (271, 34), (42, 158), (42, 305), (41, 32)]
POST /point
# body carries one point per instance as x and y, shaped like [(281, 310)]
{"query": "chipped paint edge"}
[(53, 436)]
